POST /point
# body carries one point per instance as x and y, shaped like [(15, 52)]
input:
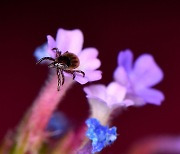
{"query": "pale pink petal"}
[(90, 64), (125, 59), (116, 92), (88, 59), (146, 72), (93, 75), (89, 76), (137, 100), (151, 96), (81, 80), (121, 76), (69, 40), (96, 91), (127, 103), (51, 44), (88, 53)]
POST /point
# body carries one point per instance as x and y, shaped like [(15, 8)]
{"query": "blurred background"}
[(144, 27)]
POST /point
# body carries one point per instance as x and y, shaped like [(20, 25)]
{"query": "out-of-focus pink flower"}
[(156, 145), (72, 41), (113, 95), (139, 78)]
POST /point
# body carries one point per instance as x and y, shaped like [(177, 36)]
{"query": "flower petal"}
[(125, 59), (146, 72), (41, 52), (93, 75), (90, 64), (116, 93), (96, 91), (127, 103), (100, 135), (89, 76), (121, 76), (151, 96), (51, 44), (99, 109), (81, 79), (69, 40), (88, 59), (88, 53)]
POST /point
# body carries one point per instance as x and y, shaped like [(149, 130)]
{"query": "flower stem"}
[(32, 132)]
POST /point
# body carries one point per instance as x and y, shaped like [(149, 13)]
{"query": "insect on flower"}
[(66, 62)]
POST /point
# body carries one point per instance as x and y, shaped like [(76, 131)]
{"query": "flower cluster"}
[(132, 85), (139, 78)]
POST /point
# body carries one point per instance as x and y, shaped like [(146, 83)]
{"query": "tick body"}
[(66, 62)]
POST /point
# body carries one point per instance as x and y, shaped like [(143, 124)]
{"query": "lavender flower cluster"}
[(132, 85)]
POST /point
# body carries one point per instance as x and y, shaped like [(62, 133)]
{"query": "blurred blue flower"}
[(58, 125), (41, 52), (101, 136), (138, 78)]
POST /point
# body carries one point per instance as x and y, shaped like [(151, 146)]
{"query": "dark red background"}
[(151, 27)]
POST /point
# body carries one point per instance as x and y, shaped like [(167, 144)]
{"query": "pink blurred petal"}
[(113, 95), (121, 76), (137, 100), (93, 75), (88, 59), (116, 93), (88, 53), (90, 64), (96, 91), (89, 76), (151, 96), (51, 44), (127, 102), (69, 40), (81, 80), (161, 144), (125, 59), (146, 72)]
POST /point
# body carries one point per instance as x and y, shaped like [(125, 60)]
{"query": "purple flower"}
[(139, 78), (72, 41), (100, 135), (113, 95)]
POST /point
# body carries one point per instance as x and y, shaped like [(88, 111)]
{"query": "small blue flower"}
[(101, 136), (41, 52)]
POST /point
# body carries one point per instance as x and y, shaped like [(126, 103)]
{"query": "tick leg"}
[(73, 72), (58, 53), (52, 65), (45, 58), (70, 71), (59, 79), (62, 76), (79, 71), (55, 49)]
